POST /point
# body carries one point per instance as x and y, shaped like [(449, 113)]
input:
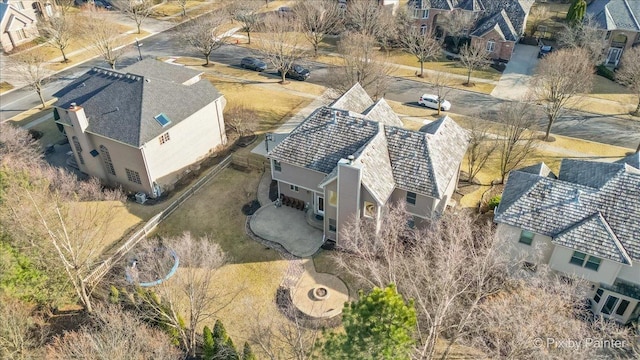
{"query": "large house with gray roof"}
[(18, 22), (620, 22), (143, 126), (350, 159), (499, 24), (585, 221)]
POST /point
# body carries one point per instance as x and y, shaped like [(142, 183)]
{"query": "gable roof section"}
[(499, 22), (553, 206), (160, 70), (324, 138), (433, 4), (588, 173), (377, 176), (355, 99), (122, 106), (380, 111), (12, 18), (616, 14), (593, 235), (540, 169), (631, 160)]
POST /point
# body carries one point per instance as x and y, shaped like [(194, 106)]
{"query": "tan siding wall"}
[(292, 174), (190, 141), (606, 273), (539, 252), (424, 204), (630, 273)]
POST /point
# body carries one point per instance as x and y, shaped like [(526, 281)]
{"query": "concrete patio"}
[(287, 227)]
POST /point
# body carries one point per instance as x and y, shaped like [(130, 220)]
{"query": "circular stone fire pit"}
[(320, 293)]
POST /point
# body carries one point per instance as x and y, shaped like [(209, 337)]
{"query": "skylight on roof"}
[(162, 119)]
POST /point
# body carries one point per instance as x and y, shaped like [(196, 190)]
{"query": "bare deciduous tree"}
[(422, 45), (365, 17), (457, 24), (59, 31), (482, 144), (584, 35), (317, 19), (21, 331), (190, 293), (246, 12), (447, 268), (183, 7), (30, 68), (629, 73), (474, 57), (136, 10), (538, 14), (102, 35), (113, 334), (241, 119), (362, 64), (517, 140), (559, 78), (203, 34), (58, 220), (281, 45), (443, 84)]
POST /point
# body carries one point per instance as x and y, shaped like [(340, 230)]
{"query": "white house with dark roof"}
[(140, 127), (498, 27), (620, 22), (352, 158), (584, 222)]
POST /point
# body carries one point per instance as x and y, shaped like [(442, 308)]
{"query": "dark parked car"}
[(253, 64), (297, 72), (544, 51)]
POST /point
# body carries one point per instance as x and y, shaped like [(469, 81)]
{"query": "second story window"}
[(106, 157), (411, 198), (491, 46), (277, 166), (164, 138), (526, 237), (587, 261)]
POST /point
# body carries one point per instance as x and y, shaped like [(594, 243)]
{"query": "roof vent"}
[(351, 158), (334, 116), (147, 80), (73, 105)]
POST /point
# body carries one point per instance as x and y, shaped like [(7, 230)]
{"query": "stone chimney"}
[(78, 118)]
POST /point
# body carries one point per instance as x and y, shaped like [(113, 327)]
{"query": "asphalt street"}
[(600, 128)]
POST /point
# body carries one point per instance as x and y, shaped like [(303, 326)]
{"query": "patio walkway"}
[(287, 227)]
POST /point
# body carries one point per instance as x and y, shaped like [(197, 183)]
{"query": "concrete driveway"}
[(514, 83)]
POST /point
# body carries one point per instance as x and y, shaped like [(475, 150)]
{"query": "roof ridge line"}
[(635, 20)]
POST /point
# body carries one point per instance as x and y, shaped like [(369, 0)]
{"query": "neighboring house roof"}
[(418, 161), (158, 70), (540, 169), (382, 112), (591, 207), (616, 14), (355, 99), (432, 4), (499, 22), (122, 106)]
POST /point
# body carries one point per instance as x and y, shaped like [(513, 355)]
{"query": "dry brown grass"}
[(5, 86), (452, 67)]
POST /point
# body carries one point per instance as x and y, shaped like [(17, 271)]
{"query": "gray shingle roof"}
[(421, 162), (553, 207), (593, 235), (122, 106), (540, 169), (432, 4), (382, 112), (160, 70), (631, 160), (616, 14), (355, 99), (500, 22)]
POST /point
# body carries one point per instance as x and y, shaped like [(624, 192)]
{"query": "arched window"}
[(491, 46), (108, 164), (76, 144)]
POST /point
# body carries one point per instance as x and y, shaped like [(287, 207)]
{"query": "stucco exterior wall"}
[(190, 140), (539, 252), (606, 273)]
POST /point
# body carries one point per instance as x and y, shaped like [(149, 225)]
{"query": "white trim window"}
[(369, 210), (586, 261), (491, 46)]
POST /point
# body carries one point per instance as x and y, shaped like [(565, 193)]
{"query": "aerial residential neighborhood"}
[(320, 179)]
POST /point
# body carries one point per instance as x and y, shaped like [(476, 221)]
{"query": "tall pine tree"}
[(223, 348), (379, 326), (208, 344), (576, 12), (247, 353)]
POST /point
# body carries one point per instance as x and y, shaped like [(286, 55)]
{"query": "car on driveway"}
[(431, 101), (544, 51), (297, 72), (253, 64)]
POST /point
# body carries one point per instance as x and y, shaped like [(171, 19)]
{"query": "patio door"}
[(319, 204), (614, 56)]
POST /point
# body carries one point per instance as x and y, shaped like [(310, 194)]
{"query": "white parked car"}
[(431, 101)]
